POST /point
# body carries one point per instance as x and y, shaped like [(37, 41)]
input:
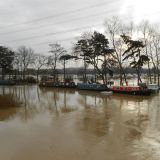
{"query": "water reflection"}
[(57, 99), (8, 106), (74, 123)]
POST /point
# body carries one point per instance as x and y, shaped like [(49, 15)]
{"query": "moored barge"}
[(7, 82), (132, 90), (154, 88), (57, 84), (92, 87)]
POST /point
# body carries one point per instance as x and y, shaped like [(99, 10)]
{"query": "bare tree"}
[(26, 58), (113, 29), (39, 62), (156, 45), (16, 64), (56, 50), (145, 29), (153, 46)]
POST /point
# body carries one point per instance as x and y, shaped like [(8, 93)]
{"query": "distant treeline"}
[(80, 71)]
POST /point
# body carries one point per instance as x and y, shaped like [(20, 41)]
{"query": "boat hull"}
[(139, 93), (7, 82), (132, 90), (57, 85), (92, 87)]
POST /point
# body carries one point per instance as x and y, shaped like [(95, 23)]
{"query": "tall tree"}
[(133, 52), (39, 62), (96, 51), (26, 58), (101, 49), (56, 50), (16, 64), (156, 45), (83, 49), (146, 30), (65, 58), (113, 29), (6, 59)]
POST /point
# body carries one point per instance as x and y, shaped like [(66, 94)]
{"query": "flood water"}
[(66, 124)]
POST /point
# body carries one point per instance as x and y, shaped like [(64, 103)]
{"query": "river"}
[(67, 124)]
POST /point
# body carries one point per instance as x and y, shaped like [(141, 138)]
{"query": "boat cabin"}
[(127, 88)]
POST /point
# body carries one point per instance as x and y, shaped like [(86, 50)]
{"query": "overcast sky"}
[(36, 23)]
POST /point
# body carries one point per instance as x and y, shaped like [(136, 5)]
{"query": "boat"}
[(57, 84), (154, 88), (132, 90), (7, 82), (92, 87)]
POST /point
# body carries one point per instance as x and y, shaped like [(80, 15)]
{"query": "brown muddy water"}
[(64, 124)]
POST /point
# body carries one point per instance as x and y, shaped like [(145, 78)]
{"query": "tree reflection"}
[(92, 119), (131, 112), (22, 96), (66, 107), (9, 106), (85, 98), (56, 96)]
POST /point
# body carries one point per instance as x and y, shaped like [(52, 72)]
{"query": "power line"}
[(62, 22), (66, 31), (47, 42), (70, 30), (54, 33), (51, 41), (61, 14)]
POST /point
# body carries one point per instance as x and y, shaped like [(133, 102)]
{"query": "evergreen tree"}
[(6, 60)]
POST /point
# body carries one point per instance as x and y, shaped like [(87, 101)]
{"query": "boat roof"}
[(126, 86)]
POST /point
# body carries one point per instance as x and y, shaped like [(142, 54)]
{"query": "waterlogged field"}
[(47, 123)]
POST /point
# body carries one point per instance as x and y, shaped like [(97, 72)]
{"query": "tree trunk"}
[(2, 74), (64, 71), (9, 75), (37, 75), (138, 76), (158, 74), (149, 73), (24, 74), (105, 79), (124, 75), (15, 74), (155, 76), (85, 68), (157, 66), (95, 73)]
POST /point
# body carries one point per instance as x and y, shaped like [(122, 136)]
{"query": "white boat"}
[(153, 87)]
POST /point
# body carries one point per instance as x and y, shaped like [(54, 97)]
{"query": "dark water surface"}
[(64, 124)]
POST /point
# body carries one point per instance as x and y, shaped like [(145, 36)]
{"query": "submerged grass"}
[(8, 101)]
